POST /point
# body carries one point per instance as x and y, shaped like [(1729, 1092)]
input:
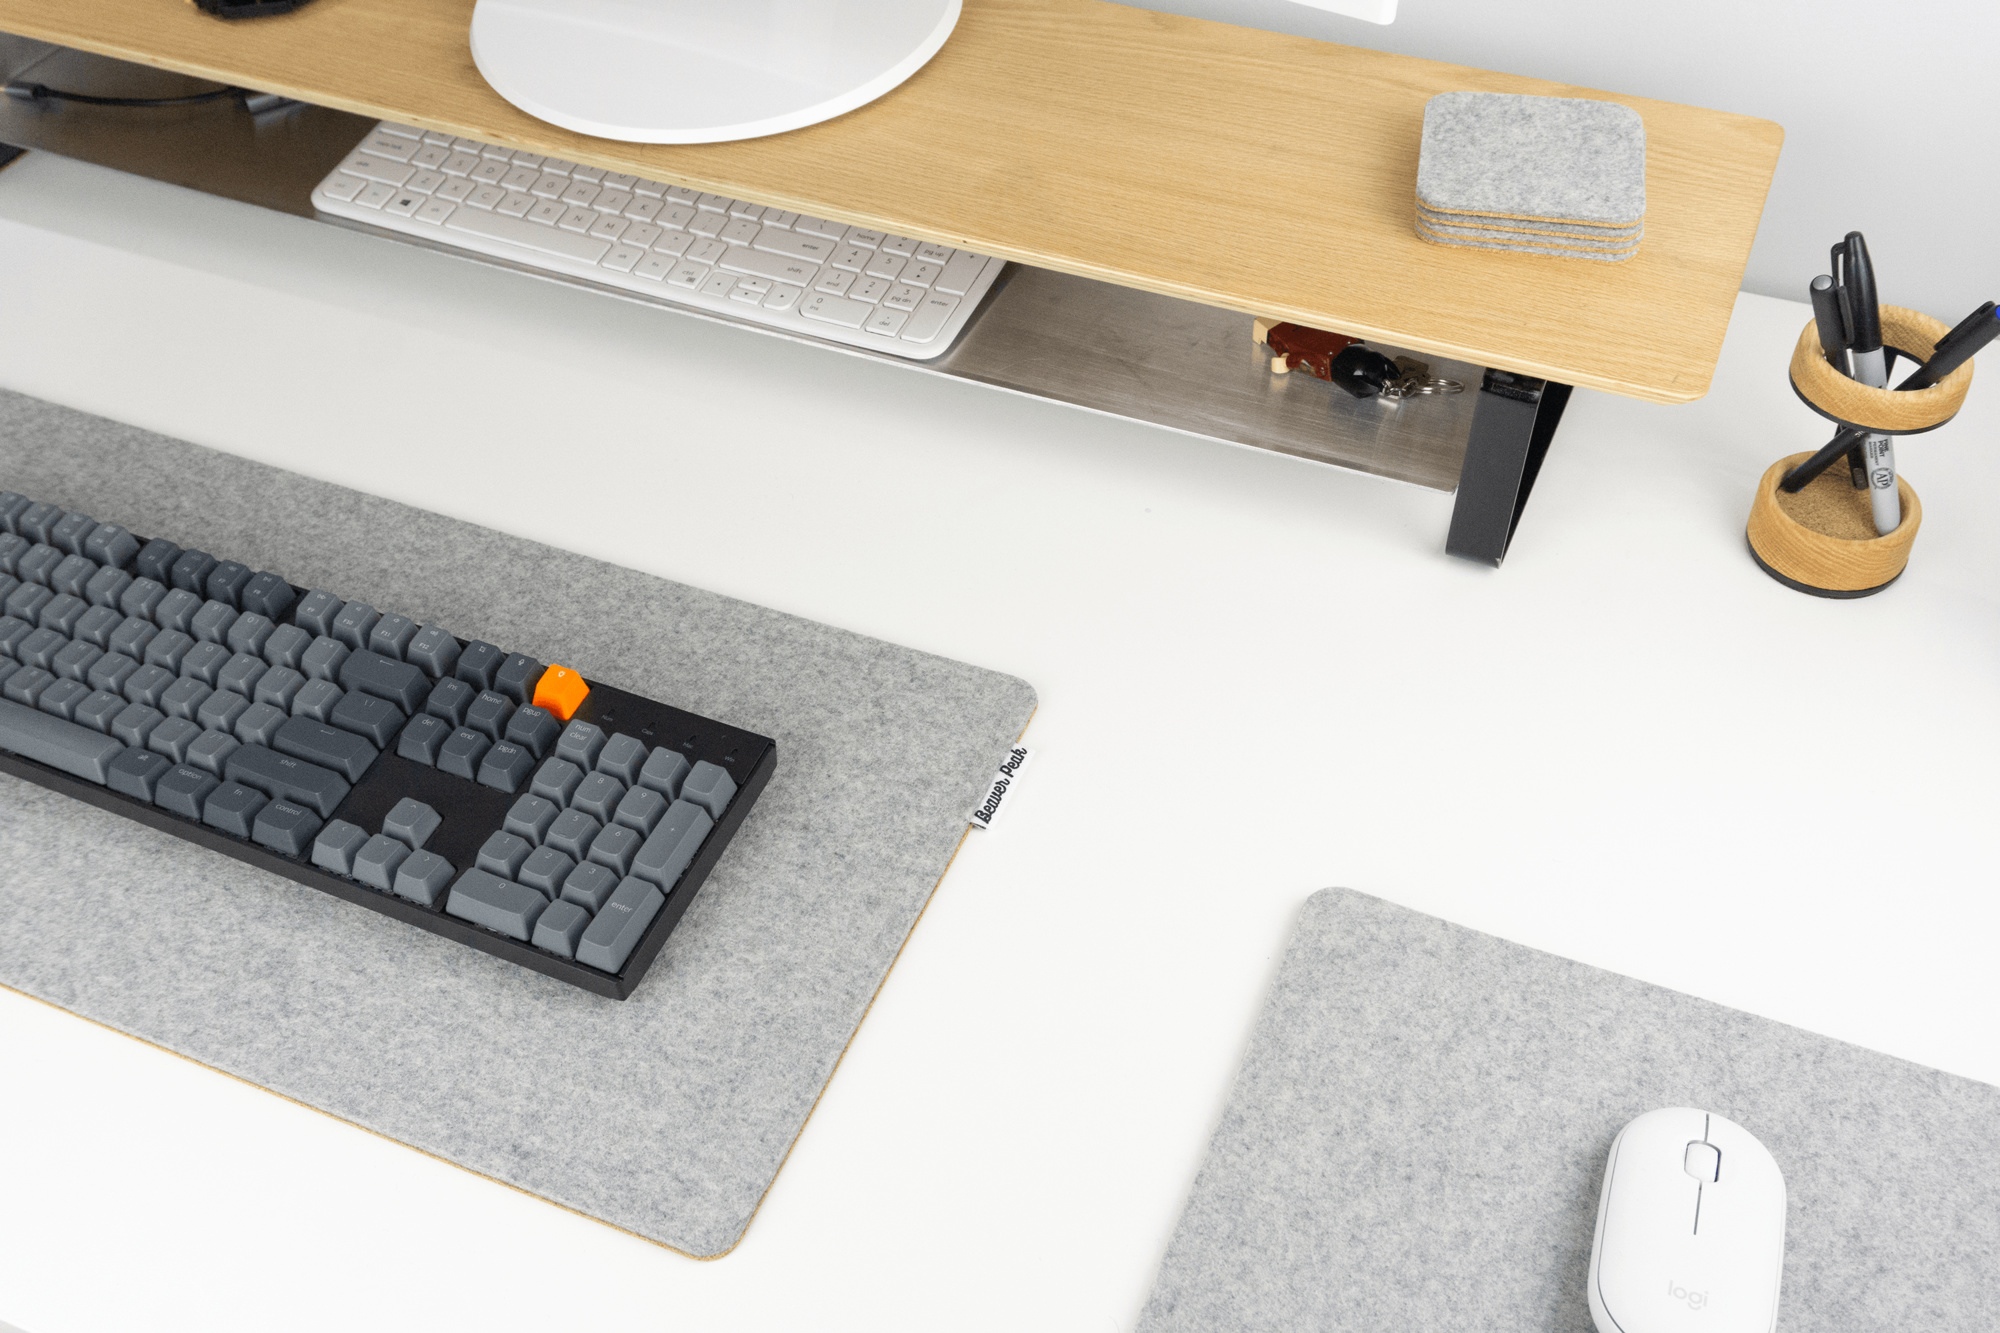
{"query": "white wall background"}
[(1917, 167)]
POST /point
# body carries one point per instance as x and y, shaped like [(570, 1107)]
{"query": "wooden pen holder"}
[(1822, 540)]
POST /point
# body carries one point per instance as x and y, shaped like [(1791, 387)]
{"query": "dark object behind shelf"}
[(249, 9)]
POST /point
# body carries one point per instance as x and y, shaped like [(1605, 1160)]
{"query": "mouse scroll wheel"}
[(1703, 1161)]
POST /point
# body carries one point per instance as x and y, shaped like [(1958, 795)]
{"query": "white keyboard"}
[(785, 270)]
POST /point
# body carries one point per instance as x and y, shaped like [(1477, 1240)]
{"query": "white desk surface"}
[(1259, 676)]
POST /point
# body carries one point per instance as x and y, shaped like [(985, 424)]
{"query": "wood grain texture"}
[(1856, 404), (1115, 143), (1810, 537)]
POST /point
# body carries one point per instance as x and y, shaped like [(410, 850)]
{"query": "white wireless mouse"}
[(1690, 1229)]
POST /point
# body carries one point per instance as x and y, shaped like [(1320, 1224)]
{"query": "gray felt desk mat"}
[(667, 1114), (1417, 1138)]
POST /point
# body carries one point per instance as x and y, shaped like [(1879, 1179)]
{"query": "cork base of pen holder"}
[(1823, 540)]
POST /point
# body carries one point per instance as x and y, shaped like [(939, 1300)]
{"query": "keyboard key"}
[(671, 847), (354, 623), (836, 310), (960, 273), (533, 729), (778, 268), (616, 930), (462, 753), (530, 818), (26, 685), (286, 778), (378, 861), (581, 742), (285, 828), (287, 646), (560, 927), (710, 787), (783, 297), (391, 636), (63, 745), (173, 738), (317, 699), (399, 683), (279, 687), (897, 245), (502, 853), (167, 650), (935, 254), (500, 905), (423, 738), (813, 226), (886, 322), (177, 610), (545, 870), (921, 274), (136, 773), (556, 781), (225, 583), (204, 662), (155, 561), (814, 250), (615, 847), (834, 282), (240, 674), (664, 771), (640, 810), (323, 659), (233, 808), (142, 598), (387, 171), (63, 698), (590, 885), (250, 632), (478, 662), (861, 236), (488, 714), (433, 649), (506, 767), (517, 676), (929, 318), (259, 724), (336, 846), (99, 710), (63, 613), (317, 743), (903, 297), (375, 719), (622, 757), (38, 521), (211, 750), (598, 796), (571, 833), (220, 710), (72, 575), (41, 648), (450, 700), (26, 602), (871, 290), (423, 878), (411, 823), (183, 790), (525, 233), (185, 698), (134, 725), (887, 267), (317, 612)]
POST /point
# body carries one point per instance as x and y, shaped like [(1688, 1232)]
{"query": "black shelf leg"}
[(1512, 423), (8, 152)]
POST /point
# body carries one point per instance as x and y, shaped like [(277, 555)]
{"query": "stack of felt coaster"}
[(1562, 176)]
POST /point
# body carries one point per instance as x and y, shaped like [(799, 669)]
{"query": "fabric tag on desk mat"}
[(692, 1090), (987, 812)]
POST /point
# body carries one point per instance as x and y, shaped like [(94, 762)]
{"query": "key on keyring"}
[(1416, 380)]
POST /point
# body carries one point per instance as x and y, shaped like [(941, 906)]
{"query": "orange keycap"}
[(561, 691)]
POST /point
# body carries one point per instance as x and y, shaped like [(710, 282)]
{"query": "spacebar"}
[(528, 235), (57, 743)]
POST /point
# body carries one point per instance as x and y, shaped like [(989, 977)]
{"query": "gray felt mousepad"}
[(667, 1114), (1417, 1137)]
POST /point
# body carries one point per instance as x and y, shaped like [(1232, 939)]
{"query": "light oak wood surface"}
[(1263, 173)]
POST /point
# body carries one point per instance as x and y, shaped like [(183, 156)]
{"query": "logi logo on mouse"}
[(1695, 1299)]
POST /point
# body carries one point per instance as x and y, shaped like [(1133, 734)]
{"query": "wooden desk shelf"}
[(1137, 149)]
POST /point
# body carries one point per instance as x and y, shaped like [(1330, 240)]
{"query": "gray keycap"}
[(99, 710), (204, 662), (97, 626), (250, 632), (26, 602), (37, 564), (316, 700), (560, 927), (462, 753), (506, 767), (615, 847), (183, 789), (545, 870), (240, 674), (25, 686), (284, 778), (502, 854), (287, 646), (641, 809), (71, 531), (664, 772), (39, 649), (63, 698), (155, 561), (278, 687), (219, 711), (12, 548), (225, 583), (336, 845), (74, 660), (8, 666), (60, 744), (286, 828), (316, 743), (385, 678), (423, 878), (316, 612), (422, 738), (107, 587), (672, 846), (533, 729), (212, 623), (142, 598), (376, 719), (571, 833), (477, 662), (12, 503), (177, 611), (590, 885), (616, 929), (449, 699), (211, 750), (411, 823), (133, 636), (110, 672), (149, 685), (517, 676), (556, 780), (168, 649), (111, 545), (488, 714), (137, 772), (323, 659), (62, 613), (233, 808), (378, 860), (353, 624), (134, 724), (190, 571), (498, 904), (433, 649), (12, 633), (598, 796), (710, 787), (580, 743), (8, 584), (173, 737), (266, 594), (530, 818), (391, 636), (38, 520), (259, 724), (72, 575)]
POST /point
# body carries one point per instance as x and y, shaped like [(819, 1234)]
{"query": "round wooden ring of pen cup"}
[(1823, 540)]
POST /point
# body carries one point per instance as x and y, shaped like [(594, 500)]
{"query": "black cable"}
[(41, 92)]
